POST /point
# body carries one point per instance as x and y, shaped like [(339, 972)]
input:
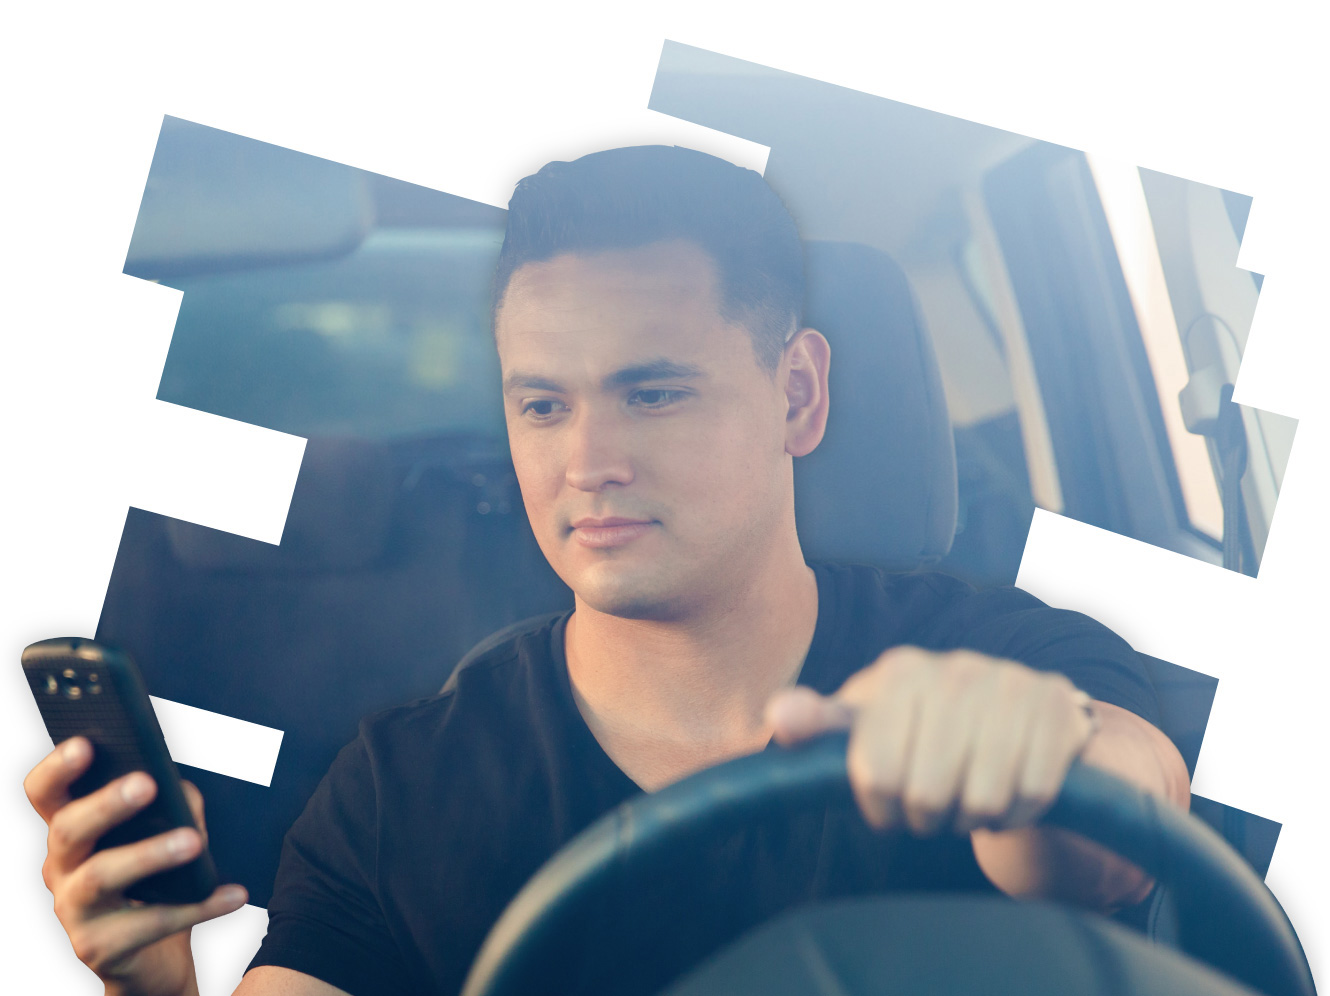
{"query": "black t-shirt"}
[(437, 814)]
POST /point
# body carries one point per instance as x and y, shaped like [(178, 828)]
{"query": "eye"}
[(655, 397), (541, 409)]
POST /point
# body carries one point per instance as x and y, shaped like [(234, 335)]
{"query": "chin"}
[(615, 593)]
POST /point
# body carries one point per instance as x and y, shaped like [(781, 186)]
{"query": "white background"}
[(467, 101)]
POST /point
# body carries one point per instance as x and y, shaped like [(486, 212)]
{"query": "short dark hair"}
[(631, 197)]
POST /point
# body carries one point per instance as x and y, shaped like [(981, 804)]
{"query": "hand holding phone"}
[(94, 865)]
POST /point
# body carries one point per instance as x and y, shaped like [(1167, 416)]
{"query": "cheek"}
[(537, 472), (732, 468)]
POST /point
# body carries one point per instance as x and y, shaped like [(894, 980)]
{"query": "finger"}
[(879, 752), (47, 784), (799, 713), (106, 941), (100, 881), (77, 826), (1058, 732), (899, 665), (951, 706), (195, 799), (1000, 746)]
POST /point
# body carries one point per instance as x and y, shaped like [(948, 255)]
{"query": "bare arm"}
[(981, 745), (269, 980), (1048, 863)]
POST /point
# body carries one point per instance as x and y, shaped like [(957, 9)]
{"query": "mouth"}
[(609, 532)]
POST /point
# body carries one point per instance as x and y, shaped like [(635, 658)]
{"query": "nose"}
[(598, 454)]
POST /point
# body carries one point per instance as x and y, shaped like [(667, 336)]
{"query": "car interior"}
[(989, 357)]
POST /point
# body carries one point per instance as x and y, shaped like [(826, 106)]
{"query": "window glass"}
[(1123, 199), (393, 340)]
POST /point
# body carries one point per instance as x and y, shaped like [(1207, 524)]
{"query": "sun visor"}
[(218, 201)]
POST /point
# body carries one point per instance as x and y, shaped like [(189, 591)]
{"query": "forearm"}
[(191, 988), (141, 973), (1037, 862)]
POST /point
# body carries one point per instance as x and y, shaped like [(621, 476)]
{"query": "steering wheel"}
[(1231, 921)]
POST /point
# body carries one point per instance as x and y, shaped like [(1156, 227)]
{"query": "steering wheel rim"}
[(1214, 885)]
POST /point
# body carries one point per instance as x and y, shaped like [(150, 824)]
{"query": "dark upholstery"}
[(881, 488)]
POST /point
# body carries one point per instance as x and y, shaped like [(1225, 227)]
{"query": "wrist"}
[(189, 987)]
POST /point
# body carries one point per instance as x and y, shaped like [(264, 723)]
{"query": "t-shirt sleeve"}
[(1010, 623), (324, 918)]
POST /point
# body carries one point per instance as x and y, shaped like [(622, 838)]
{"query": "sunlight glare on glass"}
[(1123, 197)]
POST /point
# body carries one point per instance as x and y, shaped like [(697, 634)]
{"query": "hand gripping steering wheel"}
[(1230, 919)]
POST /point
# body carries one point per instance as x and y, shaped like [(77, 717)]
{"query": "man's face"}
[(649, 444)]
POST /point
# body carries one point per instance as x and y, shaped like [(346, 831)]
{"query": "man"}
[(658, 386)]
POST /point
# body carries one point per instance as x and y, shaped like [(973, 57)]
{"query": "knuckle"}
[(171, 920), (1042, 790), (923, 801), (1058, 687), (985, 808), (870, 771), (899, 654), (904, 659), (1010, 676), (967, 671), (30, 787), (60, 835), (88, 883), (866, 776), (954, 676), (963, 659), (1035, 798), (66, 911), (167, 920), (87, 948), (862, 685)]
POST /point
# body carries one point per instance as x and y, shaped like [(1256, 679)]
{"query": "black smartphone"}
[(86, 689)]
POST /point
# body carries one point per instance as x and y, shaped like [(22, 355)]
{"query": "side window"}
[(1128, 216), (1197, 230), (1071, 307)]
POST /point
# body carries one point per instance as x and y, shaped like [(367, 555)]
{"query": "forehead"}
[(603, 308)]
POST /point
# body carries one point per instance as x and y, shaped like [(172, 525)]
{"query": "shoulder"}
[(490, 683), (936, 611), (932, 607), (861, 595), (505, 647)]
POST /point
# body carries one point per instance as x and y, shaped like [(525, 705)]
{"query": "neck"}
[(668, 698)]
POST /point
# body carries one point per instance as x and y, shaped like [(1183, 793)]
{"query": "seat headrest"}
[(340, 515), (881, 487)]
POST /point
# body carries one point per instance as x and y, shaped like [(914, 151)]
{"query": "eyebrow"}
[(651, 370), (660, 369)]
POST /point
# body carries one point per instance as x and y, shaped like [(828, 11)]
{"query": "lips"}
[(608, 532)]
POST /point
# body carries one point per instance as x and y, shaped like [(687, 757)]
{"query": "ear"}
[(804, 366)]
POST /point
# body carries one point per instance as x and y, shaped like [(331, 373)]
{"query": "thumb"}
[(798, 713)]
